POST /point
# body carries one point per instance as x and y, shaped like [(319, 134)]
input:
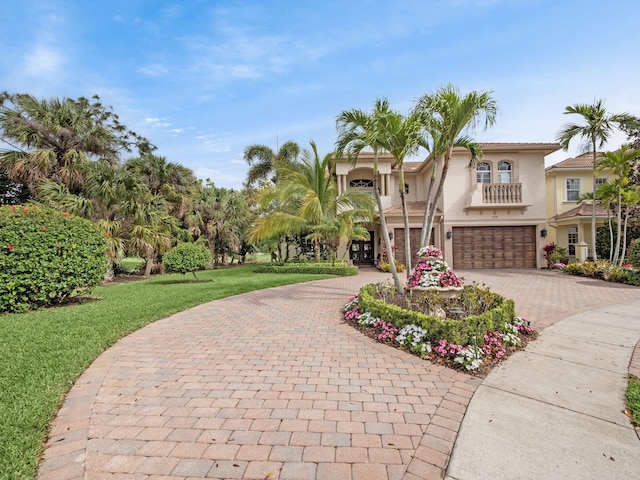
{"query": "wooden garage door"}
[(494, 247)]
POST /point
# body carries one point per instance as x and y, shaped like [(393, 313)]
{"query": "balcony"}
[(497, 195)]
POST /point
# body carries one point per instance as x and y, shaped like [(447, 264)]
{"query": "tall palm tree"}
[(313, 204), (447, 115), (357, 131), (404, 136), (597, 127), (55, 139), (264, 161), (620, 162)]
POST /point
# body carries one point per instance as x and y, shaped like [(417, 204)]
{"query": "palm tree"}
[(55, 139), (264, 161), (357, 131), (403, 138), (597, 128), (631, 199), (310, 195), (620, 162), (446, 115)]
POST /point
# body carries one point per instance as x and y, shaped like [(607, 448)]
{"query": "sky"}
[(205, 79)]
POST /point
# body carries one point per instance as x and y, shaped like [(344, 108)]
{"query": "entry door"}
[(362, 251)]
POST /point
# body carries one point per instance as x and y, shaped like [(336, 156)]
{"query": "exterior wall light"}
[(449, 234), (543, 233)]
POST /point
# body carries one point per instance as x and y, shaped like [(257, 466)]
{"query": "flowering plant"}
[(430, 251), (387, 330), (493, 344), (412, 337), (433, 273), (557, 266)]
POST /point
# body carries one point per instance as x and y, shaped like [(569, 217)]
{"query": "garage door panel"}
[(494, 247)]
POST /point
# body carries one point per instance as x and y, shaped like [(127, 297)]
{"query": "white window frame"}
[(600, 182), (572, 240), (505, 175), (483, 174), (576, 189)]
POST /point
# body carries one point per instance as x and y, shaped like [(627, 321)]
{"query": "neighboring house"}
[(569, 219), (489, 216)]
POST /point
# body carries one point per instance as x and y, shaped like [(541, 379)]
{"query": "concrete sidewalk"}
[(556, 409)]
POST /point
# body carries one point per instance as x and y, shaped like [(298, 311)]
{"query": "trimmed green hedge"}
[(459, 331), (314, 268), (46, 256)]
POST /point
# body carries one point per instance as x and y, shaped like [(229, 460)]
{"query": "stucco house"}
[(490, 216), (570, 220)]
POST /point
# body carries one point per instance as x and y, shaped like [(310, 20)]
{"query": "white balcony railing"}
[(500, 193)]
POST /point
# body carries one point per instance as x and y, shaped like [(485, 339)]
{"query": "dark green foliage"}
[(633, 277), (460, 331), (633, 253), (603, 240), (187, 257), (46, 256), (314, 268)]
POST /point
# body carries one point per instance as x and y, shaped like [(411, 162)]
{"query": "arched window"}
[(504, 172), (361, 183), (483, 173)]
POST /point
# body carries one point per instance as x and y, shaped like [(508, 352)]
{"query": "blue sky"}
[(204, 79)]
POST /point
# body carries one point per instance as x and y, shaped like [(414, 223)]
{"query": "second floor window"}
[(504, 172), (361, 183), (483, 173), (573, 189), (600, 182)]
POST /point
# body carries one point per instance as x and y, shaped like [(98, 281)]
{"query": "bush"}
[(574, 269), (462, 331), (386, 267), (617, 275), (339, 268), (187, 257), (633, 253), (46, 256)]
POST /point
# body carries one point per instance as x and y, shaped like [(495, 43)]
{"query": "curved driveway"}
[(272, 385)]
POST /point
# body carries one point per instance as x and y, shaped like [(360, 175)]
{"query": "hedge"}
[(314, 268), (46, 256), (459, 331)]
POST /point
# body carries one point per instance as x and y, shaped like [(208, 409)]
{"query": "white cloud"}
[(43, 61), (154, 70)]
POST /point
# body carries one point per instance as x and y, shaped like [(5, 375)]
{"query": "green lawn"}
[(42, 353), (633, 400)]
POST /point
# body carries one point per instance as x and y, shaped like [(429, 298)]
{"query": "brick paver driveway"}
[(271, 385)]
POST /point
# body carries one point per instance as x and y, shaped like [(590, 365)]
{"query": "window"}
[(504, 172), (573, 189), (600, 182), (406, 188), (361, 183), (483, 173), (572, 239)]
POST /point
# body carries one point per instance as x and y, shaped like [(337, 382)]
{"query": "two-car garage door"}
[(494, 247)]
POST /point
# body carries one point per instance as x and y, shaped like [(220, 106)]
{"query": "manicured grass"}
[(42, 353), (131, 264), (633, 400)]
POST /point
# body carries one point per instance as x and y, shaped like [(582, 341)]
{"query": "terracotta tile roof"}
[(583, 210), (581, 161), (520, 145), (413, 208)]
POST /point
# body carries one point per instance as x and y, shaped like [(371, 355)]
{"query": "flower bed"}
[(473, 343)]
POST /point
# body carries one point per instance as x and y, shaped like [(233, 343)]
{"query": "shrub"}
[(617, 274), (314, 268), (633, 277), (633, 253), (574, 269), (187, 257), (386, 266), (46, 256), (500, 311)]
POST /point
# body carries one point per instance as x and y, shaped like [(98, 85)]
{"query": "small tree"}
[(46, 256), (187, 257)]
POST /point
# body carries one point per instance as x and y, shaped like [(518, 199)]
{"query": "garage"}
[(494, 247)]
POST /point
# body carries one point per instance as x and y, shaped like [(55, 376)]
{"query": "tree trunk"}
[(616, 252), (148, 266), (383, 223), (436, 198), (405, 219), (425, 236), (624, 243), (594, 255)]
